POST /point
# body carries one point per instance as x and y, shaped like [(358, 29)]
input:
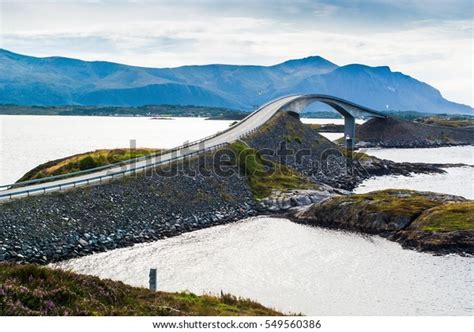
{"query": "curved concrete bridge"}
[(293, 103)]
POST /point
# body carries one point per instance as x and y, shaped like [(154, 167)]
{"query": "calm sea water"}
[(456, 181), (27, 141), (330, 136), (452, 155), (296, 268)]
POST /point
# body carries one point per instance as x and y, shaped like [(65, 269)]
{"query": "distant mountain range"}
[(26, 80)]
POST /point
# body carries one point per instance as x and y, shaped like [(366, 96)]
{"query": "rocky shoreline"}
[(409, 145), (82, 244), (279, 203), (136, 209), (413, 219)]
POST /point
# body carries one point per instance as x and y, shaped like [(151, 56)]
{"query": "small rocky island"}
[(283, 166), (398, 133), (424, 221)]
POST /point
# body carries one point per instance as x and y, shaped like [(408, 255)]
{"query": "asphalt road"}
[(258, 118)]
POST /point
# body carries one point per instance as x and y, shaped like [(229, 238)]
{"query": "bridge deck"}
[(247, 125)]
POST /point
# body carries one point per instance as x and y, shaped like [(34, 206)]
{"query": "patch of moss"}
[(34, 290), (447, 218), (263, 175), (289, 139), (361, 156), (84, 161), (339, 141), (393, 201), (448, 122), (201, 196), (445, 137)]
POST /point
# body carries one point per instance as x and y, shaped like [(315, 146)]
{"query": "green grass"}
[(428, 212), (448, 122), (361, 156), (392, 201), (264, 176), (289, 139), (84, 161), (35, 290), (447, 217)]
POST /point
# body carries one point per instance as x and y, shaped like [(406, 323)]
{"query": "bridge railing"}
[(126, 162), (101, 168), (109, 176), (105, 177), (100, 178)]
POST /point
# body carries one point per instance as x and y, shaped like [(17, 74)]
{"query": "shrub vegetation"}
[(35, 290)]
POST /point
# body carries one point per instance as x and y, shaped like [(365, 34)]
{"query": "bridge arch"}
[(347, 109)]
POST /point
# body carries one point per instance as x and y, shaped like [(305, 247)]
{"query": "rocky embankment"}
[(418, 220), (286, 140), (398, 133), (280, 202), (145, 207)]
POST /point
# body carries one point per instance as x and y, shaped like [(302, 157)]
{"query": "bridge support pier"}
[(349, 134), (349, 140)]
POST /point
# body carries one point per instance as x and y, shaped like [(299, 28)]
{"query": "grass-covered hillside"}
[(449, 217), (456, 122), (34, 290), (84, 161), (396, 209), (263, 176)]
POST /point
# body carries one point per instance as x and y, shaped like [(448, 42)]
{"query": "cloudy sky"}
[(430, 40)]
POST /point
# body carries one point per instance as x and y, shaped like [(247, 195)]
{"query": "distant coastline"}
[(154, 111), (168, 111)]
